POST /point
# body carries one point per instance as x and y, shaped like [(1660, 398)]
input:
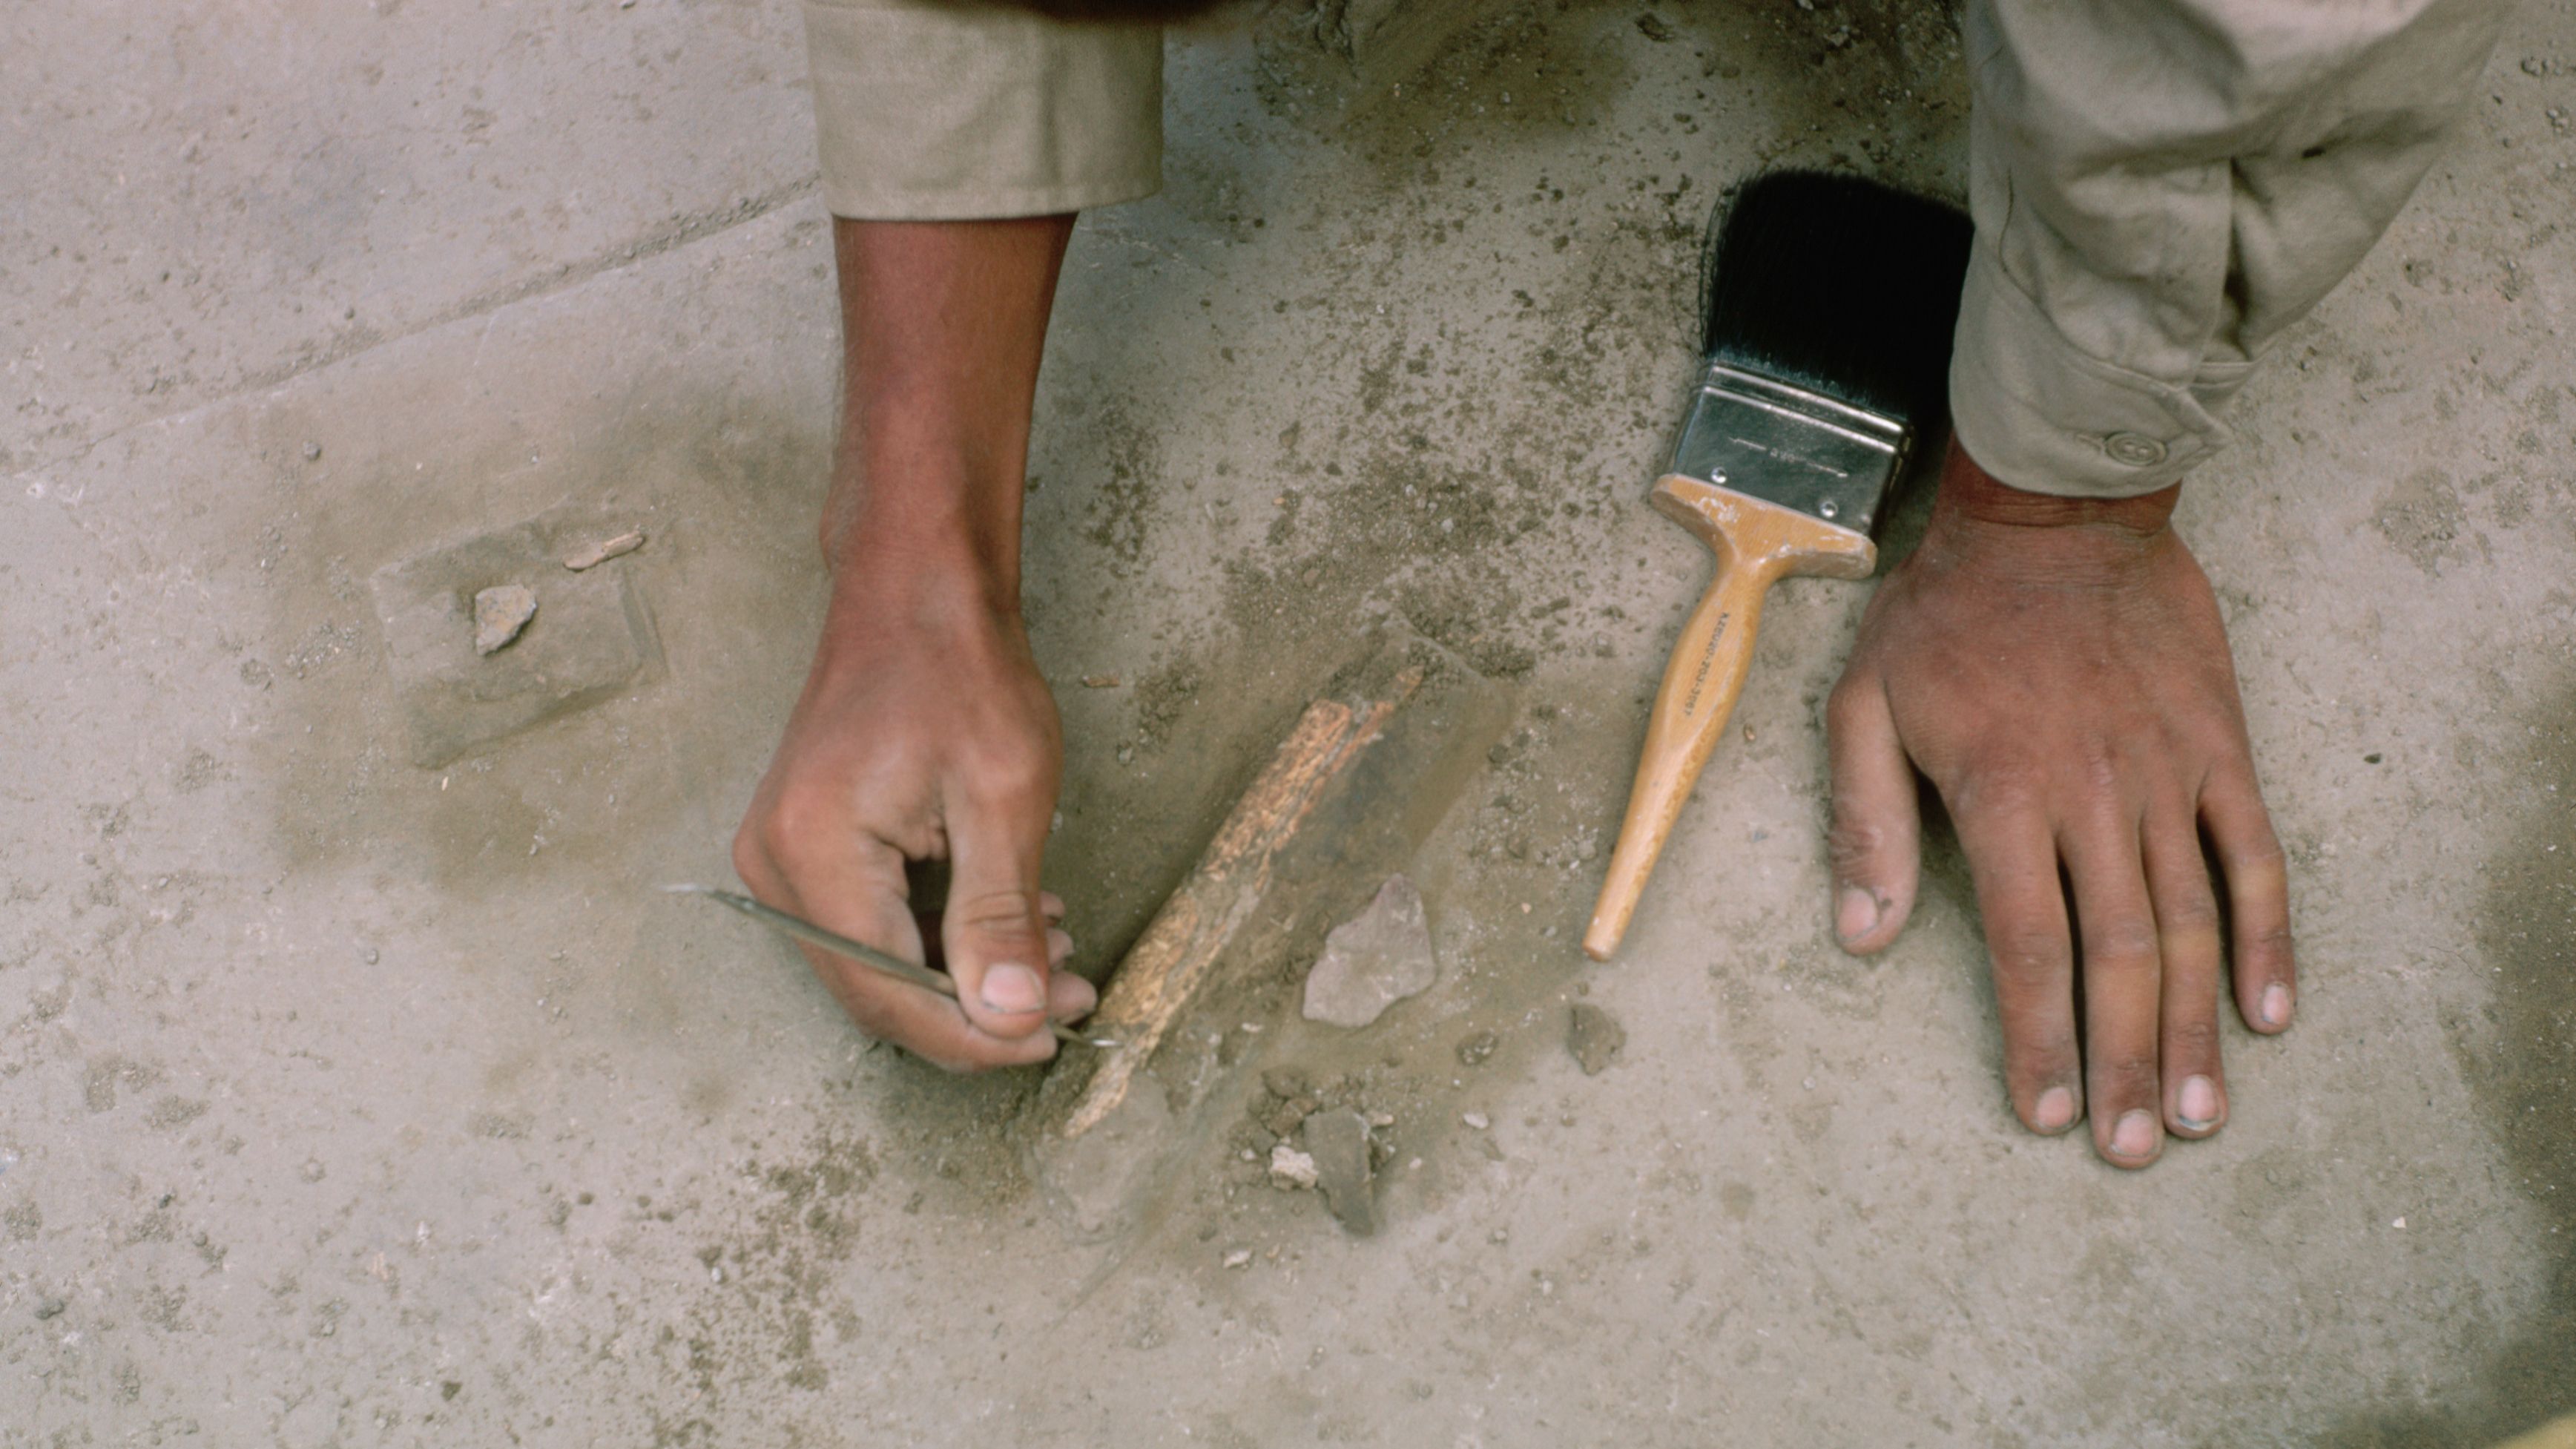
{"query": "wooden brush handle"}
[(1756, 543)]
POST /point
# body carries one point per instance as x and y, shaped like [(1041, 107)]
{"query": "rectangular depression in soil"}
[(591, 637)]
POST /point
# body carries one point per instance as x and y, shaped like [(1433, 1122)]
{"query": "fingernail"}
[(2134, 1135), (1855, 913), (2056, 1110), (1012, 987), (2197, 1103), (2276, 1004)]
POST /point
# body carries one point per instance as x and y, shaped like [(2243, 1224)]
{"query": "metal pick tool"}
[(865, 955)]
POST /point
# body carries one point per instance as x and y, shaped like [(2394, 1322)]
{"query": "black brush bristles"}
[(1841, 286)]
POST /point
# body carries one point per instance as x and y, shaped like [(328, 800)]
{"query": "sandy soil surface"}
[(347, 1099)]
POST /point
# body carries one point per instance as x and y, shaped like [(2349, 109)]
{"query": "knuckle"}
[(1847, 706), (2264, 861), (1853, 843), (2027, 959), (2267, 948), (787, 830), (2024, 969), (2127, 1076), (2125, 944), (2273, 936), (1996, 783), (750, 854), (2191, 912), (995, 913), (2040, 1043), (2100, 764), (1009, 781), (2193, 1038)]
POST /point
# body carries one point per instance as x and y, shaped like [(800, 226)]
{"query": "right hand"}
[(924, 732)]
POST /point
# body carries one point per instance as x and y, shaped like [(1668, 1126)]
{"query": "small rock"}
[(1595, 1037), (1337, 1142), (1283, 1117), (1477, 1120), (50, 1308), (1100, 681), (1239, 1258), (312, 452), (500, 613), (1374, 960), (1290, 1169), (604, 550), (1473, 1051), (1287, 1082)]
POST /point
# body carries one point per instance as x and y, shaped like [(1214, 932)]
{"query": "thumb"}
[(1876, 841), (993, 930)]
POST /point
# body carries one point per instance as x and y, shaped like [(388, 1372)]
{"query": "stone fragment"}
[(1337, 1142), (500, 612), (1283, 1117), (1290, 1169), (1239, 1258), (1373, 960), (591, 556), (1473, 1051), (1595, 1037)]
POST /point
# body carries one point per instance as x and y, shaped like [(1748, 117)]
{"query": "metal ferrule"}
[(1786, 445)]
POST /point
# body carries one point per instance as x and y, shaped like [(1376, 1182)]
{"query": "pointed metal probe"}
[(865, 955)]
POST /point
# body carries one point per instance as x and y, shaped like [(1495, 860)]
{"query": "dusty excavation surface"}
[(357, 1088)]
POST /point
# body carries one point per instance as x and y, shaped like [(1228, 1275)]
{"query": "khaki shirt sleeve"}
[(2161, 187), (932, 111)]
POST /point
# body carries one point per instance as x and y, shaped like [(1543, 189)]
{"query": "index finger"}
[(2012, 855)]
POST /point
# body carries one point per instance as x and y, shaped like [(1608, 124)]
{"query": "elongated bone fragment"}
[(601, 552), (1364, 775)]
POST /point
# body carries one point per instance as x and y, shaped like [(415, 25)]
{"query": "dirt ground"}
[(347, 1099)]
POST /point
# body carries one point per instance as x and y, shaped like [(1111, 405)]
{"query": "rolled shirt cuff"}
[(2043, 416), (937, 112)]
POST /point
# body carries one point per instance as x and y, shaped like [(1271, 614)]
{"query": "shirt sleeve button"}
[(2136, 450)]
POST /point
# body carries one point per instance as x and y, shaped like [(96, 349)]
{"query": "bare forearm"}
[(944, 324), (925, 730)]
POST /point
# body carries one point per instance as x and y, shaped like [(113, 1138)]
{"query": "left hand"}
[(2058, 669)]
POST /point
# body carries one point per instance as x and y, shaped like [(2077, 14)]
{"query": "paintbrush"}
[(859, 951), (1830, 302)]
